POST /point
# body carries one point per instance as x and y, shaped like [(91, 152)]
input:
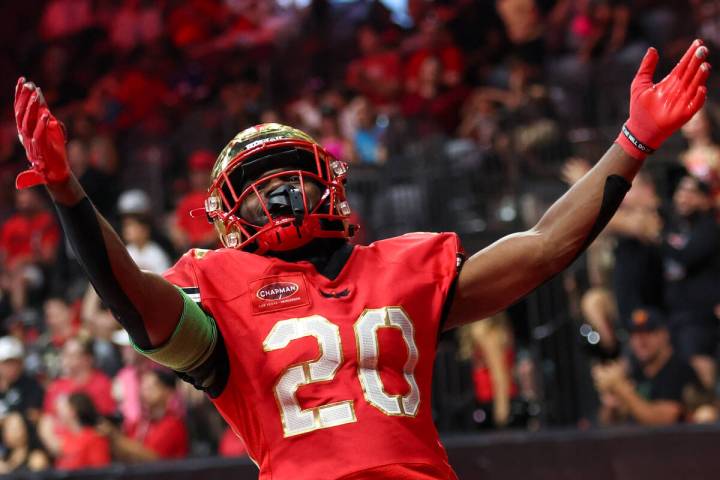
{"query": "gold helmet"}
[(238, 174)]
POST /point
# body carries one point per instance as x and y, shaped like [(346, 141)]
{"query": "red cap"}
[(201, 160)]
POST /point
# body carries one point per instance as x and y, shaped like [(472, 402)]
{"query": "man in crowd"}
[(80, 375), (28, 243), (652, 393), (189, 229), (160, 432), (691, 261), (19, 392), (44, 358)]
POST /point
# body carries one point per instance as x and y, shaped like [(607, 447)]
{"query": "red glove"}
[(658, 110), (42, 136)]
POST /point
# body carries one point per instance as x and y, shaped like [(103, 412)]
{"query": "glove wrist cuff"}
[(632, 145)]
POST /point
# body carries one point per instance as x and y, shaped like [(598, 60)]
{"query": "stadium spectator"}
[(490, 345), (701, 159), (59, 327), (126, 383), (480, 118), (63, 18), (80, 375), (22, 450), (592, 31), (191, 23), (433, 40), (19, 392), (434, 105), (651, 393), (73, 437), (28, 241), (190, 227), (368, 140), (81, 155), (99, 323), (692, 275), (137, 229), (524, 28), (330, 134), (376, 73), (134, 23), (637, 275), (160, 432)]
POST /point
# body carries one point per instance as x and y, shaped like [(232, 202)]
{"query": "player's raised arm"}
[(146, 305), (500, 274)]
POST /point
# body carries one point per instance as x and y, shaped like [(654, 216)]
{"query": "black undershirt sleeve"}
[(615, 189), (84, 232)]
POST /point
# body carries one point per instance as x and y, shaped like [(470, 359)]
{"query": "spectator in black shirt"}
[(691, 259), (651, 393), (19, 392)]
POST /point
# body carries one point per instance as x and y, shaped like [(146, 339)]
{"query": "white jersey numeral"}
[(296, 420), (366, 330)]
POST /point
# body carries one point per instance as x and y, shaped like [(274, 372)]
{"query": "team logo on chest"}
[(278, 293)]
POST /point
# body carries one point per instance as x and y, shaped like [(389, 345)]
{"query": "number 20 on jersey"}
[(296, 420)]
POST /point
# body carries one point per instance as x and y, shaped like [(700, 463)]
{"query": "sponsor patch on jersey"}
[(281, 292)]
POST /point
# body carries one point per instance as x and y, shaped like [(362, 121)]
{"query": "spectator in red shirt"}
[(28, 240), (434, 40), (377, 73), (431, 104), (195, 231), (160, 433), (30, 235), (80, 375), (75, 441)]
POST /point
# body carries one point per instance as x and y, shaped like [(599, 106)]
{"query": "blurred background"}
[(466, 116)]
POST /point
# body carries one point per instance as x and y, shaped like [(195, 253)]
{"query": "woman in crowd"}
[(74, 440), (23, 450)]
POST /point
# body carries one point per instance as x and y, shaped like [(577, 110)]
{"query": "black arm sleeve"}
[(615, 189), (84, 232)]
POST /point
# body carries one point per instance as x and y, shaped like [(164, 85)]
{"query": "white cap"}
[(133, 201), (11, 348)]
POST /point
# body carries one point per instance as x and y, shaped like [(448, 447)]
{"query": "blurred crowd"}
[(511, 95)]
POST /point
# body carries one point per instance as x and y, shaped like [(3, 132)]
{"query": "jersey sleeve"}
[(183, 275), (196, 349), (439, 255)]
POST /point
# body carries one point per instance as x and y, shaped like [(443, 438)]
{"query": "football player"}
[(317, 353)]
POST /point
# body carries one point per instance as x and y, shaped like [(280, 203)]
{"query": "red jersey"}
[(83, 449), (21, 236), (98, 387), (166, 436), (330, 379)]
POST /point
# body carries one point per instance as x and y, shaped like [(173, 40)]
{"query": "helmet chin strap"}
[(287, 199)]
